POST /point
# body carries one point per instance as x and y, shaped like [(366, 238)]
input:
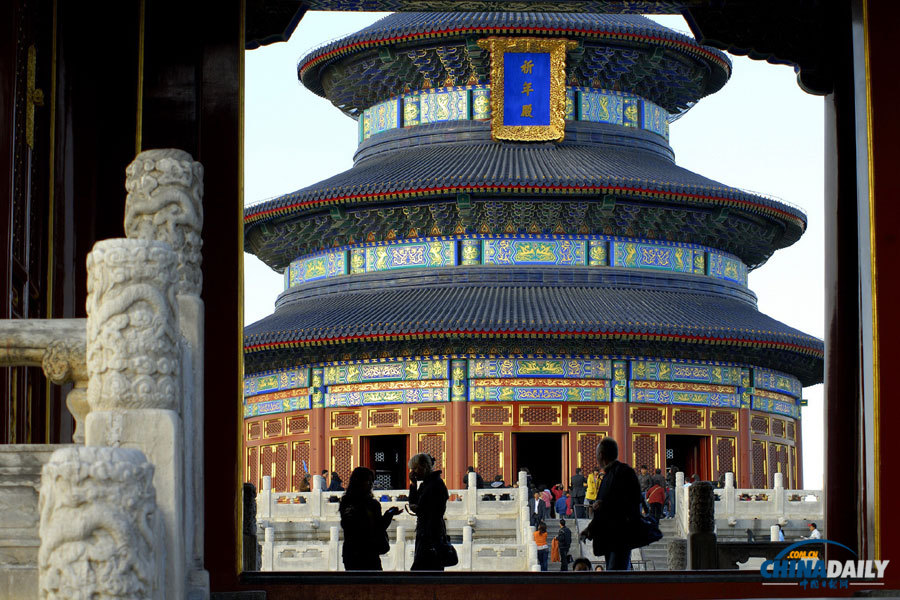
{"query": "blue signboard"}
[(526, 88)]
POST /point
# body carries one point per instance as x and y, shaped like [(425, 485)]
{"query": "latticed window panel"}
[(435, 445), (345, 420), (540, 415), (587, 415), (647, 416), (426, 416), (759, 424), (384, 418), (691, 418), (489, 453), (254, 430), (587, 450), (491, 415), (725, 447), (778, 463), (758, 461), (723, 419), (645, 449), (273, 461), (297, 425), (251, 474), (274, 427), (342, 457), (791, 431), (778, 428), (299, 463)]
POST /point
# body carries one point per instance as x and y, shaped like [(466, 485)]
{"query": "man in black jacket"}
[(538, 510), (577, 488), (564, 538), (617, 509)]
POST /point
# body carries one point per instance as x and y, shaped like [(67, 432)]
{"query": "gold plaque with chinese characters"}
[(528, 88)]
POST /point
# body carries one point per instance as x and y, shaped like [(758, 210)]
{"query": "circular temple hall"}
[(516, 267)]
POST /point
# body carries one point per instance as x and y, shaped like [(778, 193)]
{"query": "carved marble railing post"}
[(165, 203), (134, 366), (100, 529), (57, 346), (701, 541)]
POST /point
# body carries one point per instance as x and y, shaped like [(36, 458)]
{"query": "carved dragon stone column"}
[(100, 529), (165, 203), (134, 366)]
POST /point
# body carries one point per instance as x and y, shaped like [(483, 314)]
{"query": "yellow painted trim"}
[(139, 117), (876, 396)]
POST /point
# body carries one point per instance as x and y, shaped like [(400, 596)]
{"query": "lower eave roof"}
[(500, 311)]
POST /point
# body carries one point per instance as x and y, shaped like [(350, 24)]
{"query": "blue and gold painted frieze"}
[(634, 255), (533, 252), (276, 402), (777, 382), (473, 102), (654, 370), (288, 379), (330, 264), (407, 370), (403, 396), (599, 106), (381, 117), (538, 390), (774, 402), (411, 255), (541, 378), (445, 104), (722, 266), (563, 368), (685, 397), (516, 249)]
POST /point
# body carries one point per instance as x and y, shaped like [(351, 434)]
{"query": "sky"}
[(761, 132)]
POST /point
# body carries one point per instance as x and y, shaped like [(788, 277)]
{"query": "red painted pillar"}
[(744, 448), (458, 438)]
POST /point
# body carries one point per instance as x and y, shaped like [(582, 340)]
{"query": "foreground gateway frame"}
[(857, 242)]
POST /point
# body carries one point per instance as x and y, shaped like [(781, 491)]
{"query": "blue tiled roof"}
[(518, 302), (449, 163), (405, 24)]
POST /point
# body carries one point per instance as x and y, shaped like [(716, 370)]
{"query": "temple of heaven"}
[(515, 267)]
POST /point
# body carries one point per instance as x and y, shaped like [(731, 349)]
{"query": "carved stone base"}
[(100, 532), (157, 433)]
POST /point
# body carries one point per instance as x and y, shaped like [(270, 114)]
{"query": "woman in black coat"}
[(428, 502), (365, 528)]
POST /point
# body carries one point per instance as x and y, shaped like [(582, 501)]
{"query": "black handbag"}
[(646, 531), (446, 553)]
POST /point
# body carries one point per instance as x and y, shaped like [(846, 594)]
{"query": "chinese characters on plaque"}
[(528, 95)]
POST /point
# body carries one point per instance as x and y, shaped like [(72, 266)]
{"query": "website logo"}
[(806, 567)]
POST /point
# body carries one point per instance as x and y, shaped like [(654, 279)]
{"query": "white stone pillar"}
[(729, 494), (471, 493), (165, 203), (316, 497), (400, 549), (467, 549), (264, 504), (334, 554), (773, 533), (134, 367), (101, 532), (268, 550), (681, 505), (778, 497)]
